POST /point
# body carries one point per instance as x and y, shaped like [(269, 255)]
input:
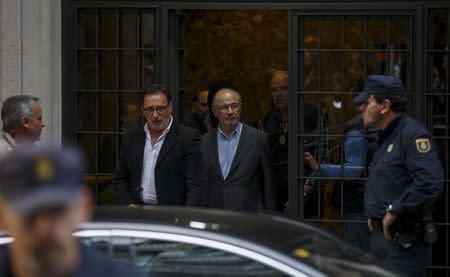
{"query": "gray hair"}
[(14, 108), (230, 89)]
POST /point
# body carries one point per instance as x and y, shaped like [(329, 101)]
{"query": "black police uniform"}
[(406, 178), (93, 263)]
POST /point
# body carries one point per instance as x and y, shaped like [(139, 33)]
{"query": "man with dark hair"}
[(238, 167), (199, 119), (404, 181), (42, 202), (162, 161), (22, 122)]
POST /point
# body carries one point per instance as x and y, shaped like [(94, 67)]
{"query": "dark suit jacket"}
[(178, 170), (249, 185)]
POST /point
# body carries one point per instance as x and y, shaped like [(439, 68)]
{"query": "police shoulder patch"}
[(423, 145)]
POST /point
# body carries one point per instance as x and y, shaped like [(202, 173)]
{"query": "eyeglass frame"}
[(159, 109), (232, 106), (276, 89)]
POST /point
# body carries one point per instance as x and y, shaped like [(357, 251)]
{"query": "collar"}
[(236, 131), (390, 128), (9, 139), (147, 131)]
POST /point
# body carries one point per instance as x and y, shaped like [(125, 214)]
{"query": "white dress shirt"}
[(151, 152)]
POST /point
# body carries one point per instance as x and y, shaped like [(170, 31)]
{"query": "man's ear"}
[(25, 121), (386, 106)]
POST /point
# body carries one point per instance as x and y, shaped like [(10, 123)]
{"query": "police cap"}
[(380, 85), (34, 177)]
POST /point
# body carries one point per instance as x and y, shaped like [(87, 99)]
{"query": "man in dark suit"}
[(199, 119), (238, 166), (160, 162)]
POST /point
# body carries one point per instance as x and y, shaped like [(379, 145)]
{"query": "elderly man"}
[(238, 166), (42, 201), (404, 181), (162, 161), (22, 122)]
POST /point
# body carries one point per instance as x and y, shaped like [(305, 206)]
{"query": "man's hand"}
[(369, 224), (133, 206), (311, 161), (388, 219)]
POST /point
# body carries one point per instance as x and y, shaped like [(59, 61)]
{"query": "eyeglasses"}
[(224, 108), (159, 109), (204, 104), (282, 89)]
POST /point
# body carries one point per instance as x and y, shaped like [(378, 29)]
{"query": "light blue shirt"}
[(227, 148), (355, 147)]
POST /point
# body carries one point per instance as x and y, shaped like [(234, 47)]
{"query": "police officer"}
[(405, 177), (42, 201)]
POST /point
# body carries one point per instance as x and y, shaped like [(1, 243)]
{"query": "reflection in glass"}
[(88, 142), (129, 27), (108, 147), (439, 24), (148, 32), (353, 78), (129, 112), (87, 69), (108, 28), (354, 32), (377, 63), (311, 30), (129, 69), (87, 22), (108, 75), (399, 32), (377, 35), (148, 69), (87, 120), (330, 71), (310, 61), (108, 112), (330, 33)]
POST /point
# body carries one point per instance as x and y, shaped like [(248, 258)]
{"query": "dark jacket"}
[(178, 170), (249, 185), (405, 171)]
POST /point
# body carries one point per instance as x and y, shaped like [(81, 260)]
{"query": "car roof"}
[(295, 239)]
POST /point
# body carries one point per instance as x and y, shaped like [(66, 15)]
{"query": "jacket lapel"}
[(244, 146), (140, 143), (213, 150), (169, 142)]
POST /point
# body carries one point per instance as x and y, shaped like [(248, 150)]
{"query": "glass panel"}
[(330, 32), (436, 75), (87, 111), (400, 30), (311, 71), (354, 32), (330, 71), (377, 34), (108, 112), (108, 28), (148, 32), (129, 112), (87, 69), (353, 71), (108, 146), (311, 31), (129, 28), (377, 63), (129, 69), (108, 70), (88, 142), (439, 114), (148, 68), (398, 67), (439, 26), (157, 257), (87, 24)]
